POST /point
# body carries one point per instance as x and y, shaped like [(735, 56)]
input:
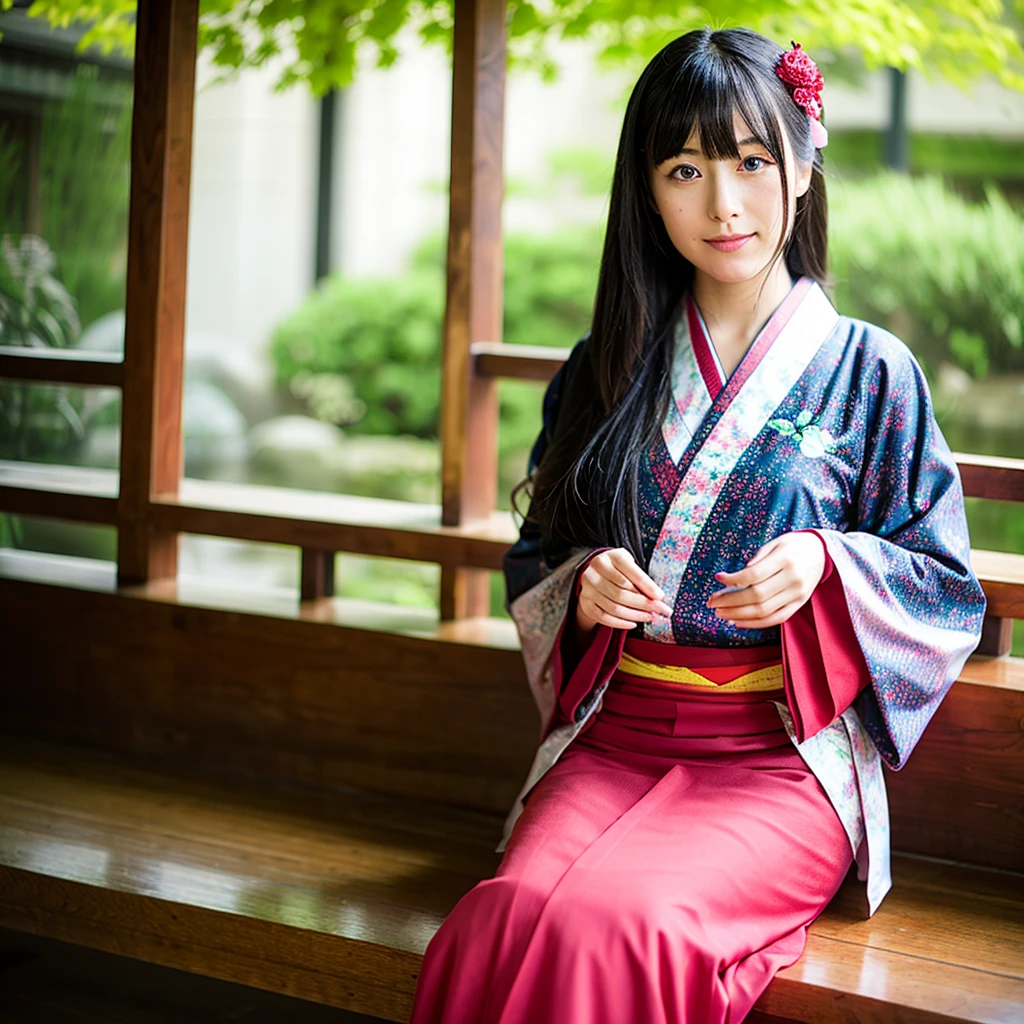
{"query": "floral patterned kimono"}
[(700, 790)]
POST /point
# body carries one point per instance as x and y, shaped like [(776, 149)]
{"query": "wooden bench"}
[(333, 896), (314, 847)]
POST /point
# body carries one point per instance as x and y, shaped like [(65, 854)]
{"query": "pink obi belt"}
[(693, 701)]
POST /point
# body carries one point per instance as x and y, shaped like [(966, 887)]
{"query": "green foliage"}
[(549, 286), (39, 422), (83, 188), (111, 23), (321, 40), (48, 287), (36, 310), (383, 335), (945, 274), (12, 182), (964, 157)]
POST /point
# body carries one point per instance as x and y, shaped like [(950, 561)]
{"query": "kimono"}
[(701, 789)]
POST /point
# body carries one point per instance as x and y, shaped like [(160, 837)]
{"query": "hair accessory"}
[(798, 70)]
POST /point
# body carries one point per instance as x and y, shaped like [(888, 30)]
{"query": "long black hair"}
[(584, 492)]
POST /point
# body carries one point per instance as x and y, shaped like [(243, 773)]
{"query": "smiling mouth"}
[(728, 243)]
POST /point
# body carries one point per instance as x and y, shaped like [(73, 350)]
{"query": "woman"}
[(742, 584)]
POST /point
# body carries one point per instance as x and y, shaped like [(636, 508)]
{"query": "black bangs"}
[(703, 93)]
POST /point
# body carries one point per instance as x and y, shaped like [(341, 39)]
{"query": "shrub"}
[(946, 275), (383, 334)]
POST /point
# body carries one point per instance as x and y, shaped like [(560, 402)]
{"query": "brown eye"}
[(684, 172)]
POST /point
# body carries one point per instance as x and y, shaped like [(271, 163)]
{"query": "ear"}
[(803, 178)]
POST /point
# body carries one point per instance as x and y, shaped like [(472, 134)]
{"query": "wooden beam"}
[(366, 526), (62, 366), (79, 508), (1002, 578), (473, 309), (152, 451), (77, 493), (990, 476), (518, 362)]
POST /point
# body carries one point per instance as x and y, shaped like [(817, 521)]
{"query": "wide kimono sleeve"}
[(898, 610), (541, 587)]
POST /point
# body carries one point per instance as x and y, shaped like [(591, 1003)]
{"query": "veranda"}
[(327, 782)]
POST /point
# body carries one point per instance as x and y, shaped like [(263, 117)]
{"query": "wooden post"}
[(316, 574), (996, 637), (473, 309), (152, 452)]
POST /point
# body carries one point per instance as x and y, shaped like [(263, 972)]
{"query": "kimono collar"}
[(706, 355)]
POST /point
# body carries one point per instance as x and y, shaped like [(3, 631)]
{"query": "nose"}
[(723, 197)]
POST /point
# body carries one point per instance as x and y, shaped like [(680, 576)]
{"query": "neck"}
[(738, 310)]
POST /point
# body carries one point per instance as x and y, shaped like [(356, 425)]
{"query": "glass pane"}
[(388, 580), (333, 387), (60, 424), (56, 536), (65, 131)]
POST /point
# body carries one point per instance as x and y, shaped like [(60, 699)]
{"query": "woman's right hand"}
[(616, 592)]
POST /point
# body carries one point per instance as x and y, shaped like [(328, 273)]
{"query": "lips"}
[(729, 243)]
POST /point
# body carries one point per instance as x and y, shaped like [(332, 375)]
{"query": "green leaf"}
[(784, 427), (804, 417), (962, 40)]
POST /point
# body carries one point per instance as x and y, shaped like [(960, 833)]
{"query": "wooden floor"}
[(333, 897), (48, 982)]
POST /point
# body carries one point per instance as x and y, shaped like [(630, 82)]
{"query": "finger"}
[(625, 563), (610, 592), (610, 620), (631, 598), (620, 611), (604, 618), (755, 593), (782, 615), (602, 568), (750, 575), (759, 609)]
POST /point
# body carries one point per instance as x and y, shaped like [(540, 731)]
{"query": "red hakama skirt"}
[(662, 871)]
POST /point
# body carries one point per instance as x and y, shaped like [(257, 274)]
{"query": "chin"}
[(730, 270)]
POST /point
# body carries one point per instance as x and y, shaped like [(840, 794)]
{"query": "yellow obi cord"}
[(769, 678)]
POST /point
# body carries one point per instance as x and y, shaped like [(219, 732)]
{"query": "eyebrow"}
[(749, 141)]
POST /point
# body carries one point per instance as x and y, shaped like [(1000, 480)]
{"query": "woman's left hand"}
[(777, 581)]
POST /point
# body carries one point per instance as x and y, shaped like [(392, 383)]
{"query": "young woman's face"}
[(726, 216)]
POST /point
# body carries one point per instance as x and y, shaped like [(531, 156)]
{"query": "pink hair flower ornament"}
[(801, 74)]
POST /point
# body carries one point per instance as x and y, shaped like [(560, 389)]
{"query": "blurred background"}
[(318, 218)]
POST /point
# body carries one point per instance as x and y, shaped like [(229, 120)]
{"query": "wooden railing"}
[(148, 501)]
